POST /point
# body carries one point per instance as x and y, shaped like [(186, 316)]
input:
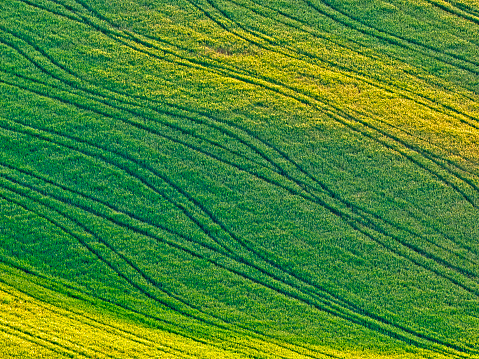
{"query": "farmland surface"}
[(239, 179)]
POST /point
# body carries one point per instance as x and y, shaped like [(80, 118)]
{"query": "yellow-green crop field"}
[(239, 179)]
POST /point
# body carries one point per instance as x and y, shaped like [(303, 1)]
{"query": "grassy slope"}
[(239, 178)]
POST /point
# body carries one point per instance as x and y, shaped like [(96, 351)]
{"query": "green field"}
[(239, 179)]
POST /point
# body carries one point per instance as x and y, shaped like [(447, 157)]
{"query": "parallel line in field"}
[(62, 342), (255, 149), (49, 182), (118, 30), (363, 76), (301, 169), (111, 206), (256, 267), (320, 202), (147, 183), (141, 163), (296, 53), (445, 107), (277, 166), (98, 214), (425, 154), (101, 258), (109, 246), (134, 36), (226, 28), (466, 8), (370, 79), (174, 127), (325, 103), (300, 55), (85, 319), (346, 71), (454, 168), (429, 155), (160, 323), (308, 55), (353, 320), (301, 100), (451, 9), (426, 105), (169, 243), (129, 172), (43, 342), (413, 209), (447, 7), (224, 250), (102, 99), (469, 182), (393, 39), (215, 125), (53, 11), (324, 36), (192, 62), (101, 240), (124, 36), (182, 208), (52, 347), (259, 283), (349, 205)]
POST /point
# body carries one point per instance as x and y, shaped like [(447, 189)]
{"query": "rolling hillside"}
[(239, 179)]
